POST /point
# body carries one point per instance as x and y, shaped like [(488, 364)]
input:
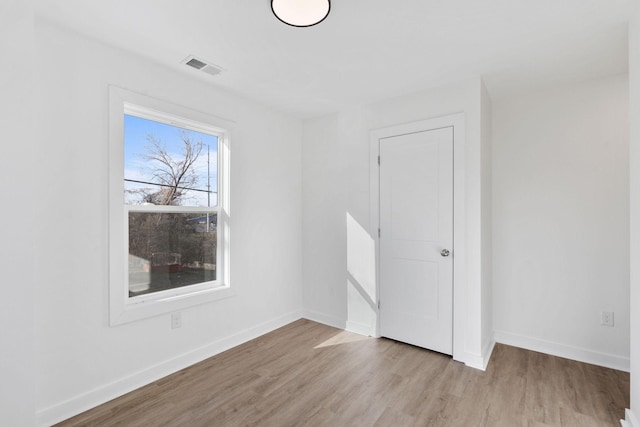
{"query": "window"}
[(168, 207)]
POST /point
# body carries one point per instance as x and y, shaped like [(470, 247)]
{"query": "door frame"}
[(457, 122)]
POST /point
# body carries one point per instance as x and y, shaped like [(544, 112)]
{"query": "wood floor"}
[(307, 374)]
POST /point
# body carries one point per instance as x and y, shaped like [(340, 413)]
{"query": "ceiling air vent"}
[(201, 65)]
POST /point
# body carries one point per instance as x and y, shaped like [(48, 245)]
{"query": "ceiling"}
[(366, 50)]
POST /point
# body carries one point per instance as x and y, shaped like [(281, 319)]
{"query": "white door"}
[(416, 239)]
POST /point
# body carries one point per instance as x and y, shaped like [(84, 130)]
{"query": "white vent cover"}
[(202, 65)]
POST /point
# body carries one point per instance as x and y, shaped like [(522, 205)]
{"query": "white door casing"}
[(460, 220), (416, 241)]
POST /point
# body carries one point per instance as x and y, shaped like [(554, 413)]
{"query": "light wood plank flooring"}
[(307, 374)]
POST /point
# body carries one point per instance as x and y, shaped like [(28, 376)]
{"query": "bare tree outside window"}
[(170, 249), (174, 175)]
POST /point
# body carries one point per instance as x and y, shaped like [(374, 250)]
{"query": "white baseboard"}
[(476, 361), (630, 419), (359, 328), (324, 319), (472, 361), (561, 350), (74, 406), (487, 351)]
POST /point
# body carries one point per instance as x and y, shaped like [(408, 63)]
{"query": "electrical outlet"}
[(176, 320), (606, 318)]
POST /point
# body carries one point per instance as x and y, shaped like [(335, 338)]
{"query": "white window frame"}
[(122, 307)]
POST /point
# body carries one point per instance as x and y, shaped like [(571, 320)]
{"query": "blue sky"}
[(136, 131)]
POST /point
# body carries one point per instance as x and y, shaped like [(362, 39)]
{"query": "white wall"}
[(561, 220), (634, 114), (17, 402), (361, 281), (324, 229), (81, 361), (339, 289), (486, 110), (336, 184)]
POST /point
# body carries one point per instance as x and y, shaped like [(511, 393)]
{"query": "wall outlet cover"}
[(606, 318), (176, 320)]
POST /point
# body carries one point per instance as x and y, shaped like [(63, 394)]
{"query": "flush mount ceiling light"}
[(301, 13)]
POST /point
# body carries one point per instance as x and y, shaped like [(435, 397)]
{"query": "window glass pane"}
[(170, 250), (168, 165)]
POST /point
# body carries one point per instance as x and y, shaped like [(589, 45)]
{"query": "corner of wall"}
[(324, 239), (486, 218), (630, 420), (480, 362), (323, 318), (634, 154), (18, 226)]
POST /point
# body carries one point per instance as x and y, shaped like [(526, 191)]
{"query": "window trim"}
[(122, 308)]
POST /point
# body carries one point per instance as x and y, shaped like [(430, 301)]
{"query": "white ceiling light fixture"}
[(301, 13)]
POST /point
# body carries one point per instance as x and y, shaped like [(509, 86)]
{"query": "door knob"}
[(445, 252)]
